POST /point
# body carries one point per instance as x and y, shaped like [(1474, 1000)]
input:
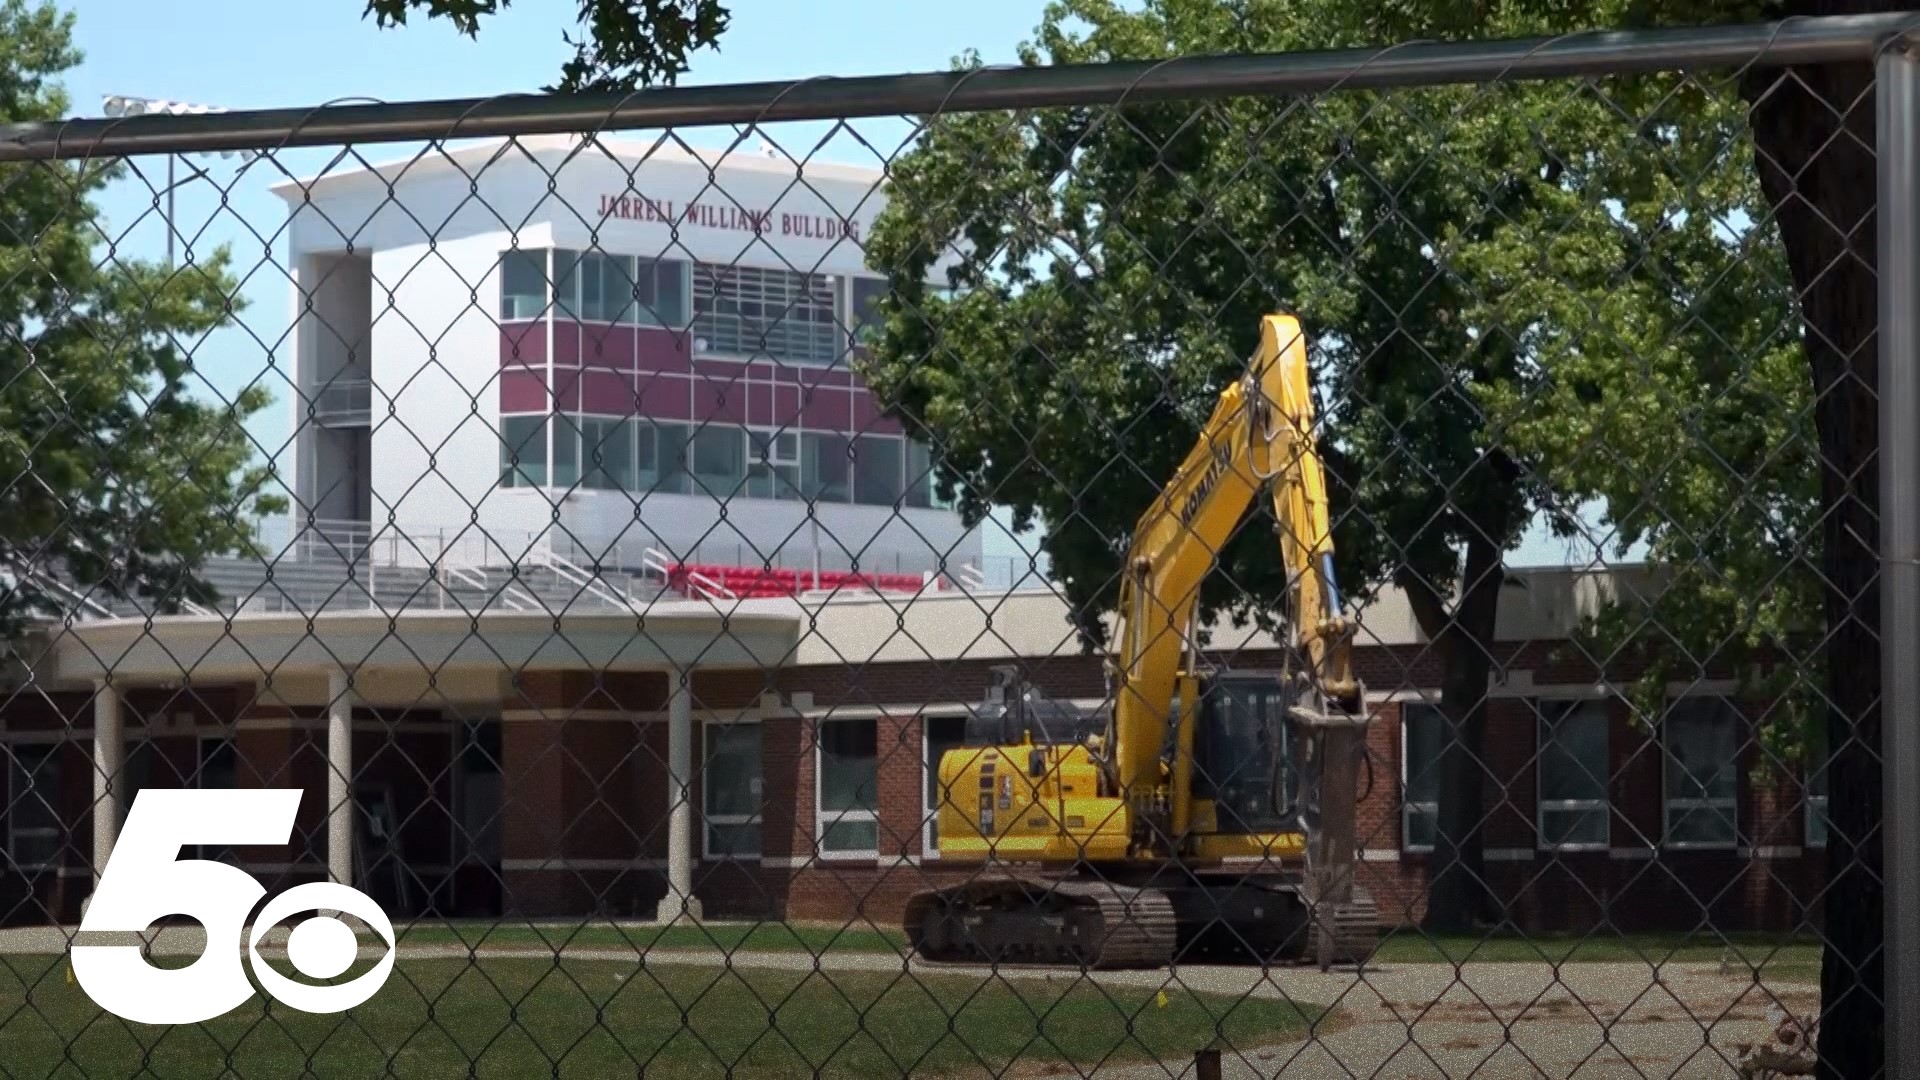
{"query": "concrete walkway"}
[(1586, 1020)]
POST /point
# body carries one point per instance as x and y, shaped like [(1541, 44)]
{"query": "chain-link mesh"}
[(858, 596)]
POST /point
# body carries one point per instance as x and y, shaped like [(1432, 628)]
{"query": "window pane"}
[(732, 778), (566, 284), (607, 449), (825, 470), (1816, 796), (867, 293), (606, 287), (744, 311), (1703, 749), (848, 765), (774, 472), (1425, 727), (566, 451), (1560, 827), (1702, 825), (217, 763), (1573, 750), (876, 470), (919, 475), (523, 284), (32, 800), (850, 836), (1422, 827), (659, 293), (719, 458), (523, 451), (734, 840), (943, 733), (669, 446)]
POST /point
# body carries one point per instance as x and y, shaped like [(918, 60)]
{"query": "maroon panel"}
[(523, 391), (523, 344), (566, 343), (720, 400), (719, 369), (663, 350), (824, 409), (566, 388), (664, 397), (867, 419), (785, 402), (608, 346), (606, 393), (763, 372)]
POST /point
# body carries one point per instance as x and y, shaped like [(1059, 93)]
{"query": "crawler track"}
[(1013, 920)]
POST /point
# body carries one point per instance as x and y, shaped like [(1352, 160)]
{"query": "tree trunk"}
[(1814, 130), (1458, 898)]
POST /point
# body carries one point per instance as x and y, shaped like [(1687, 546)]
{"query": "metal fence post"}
[(1898, 213)]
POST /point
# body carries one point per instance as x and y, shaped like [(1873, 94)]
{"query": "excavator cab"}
[(1248, 754)]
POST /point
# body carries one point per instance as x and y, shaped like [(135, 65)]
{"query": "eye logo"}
[(145, 879)]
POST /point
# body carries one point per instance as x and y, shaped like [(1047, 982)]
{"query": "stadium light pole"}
[(121, 105)]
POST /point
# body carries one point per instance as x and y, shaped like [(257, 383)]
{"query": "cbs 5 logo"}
[(146, 879)]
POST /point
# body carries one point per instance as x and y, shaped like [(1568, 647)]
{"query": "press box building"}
[(595, 347)]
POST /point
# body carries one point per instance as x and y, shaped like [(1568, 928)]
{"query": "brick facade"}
[(583, 804)]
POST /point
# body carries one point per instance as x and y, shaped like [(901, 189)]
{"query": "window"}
[(920, 485), (1816, 796), (941, 734), (749, 312), (865, 298), (33, 793), (593, 286), (877, 470), (218, 758), (661, 453), (597, 287), (1422, 731), (523, 451), (607, 452), (566, 451), (659, 294), (775, 470), (1701, 738), (523, 284), (1573, 773), (730, 790), (849, 774), (825, 469), (719, 456)]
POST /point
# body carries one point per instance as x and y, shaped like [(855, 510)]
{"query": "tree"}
[(1114, 263), (115, 478), (626, 44)]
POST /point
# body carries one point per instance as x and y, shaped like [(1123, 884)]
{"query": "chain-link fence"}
[(1285, 563)]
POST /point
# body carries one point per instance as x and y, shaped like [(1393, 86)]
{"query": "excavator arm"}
[(1260, 436)]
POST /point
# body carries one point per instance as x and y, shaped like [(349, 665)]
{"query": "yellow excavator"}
[(1211, 813)]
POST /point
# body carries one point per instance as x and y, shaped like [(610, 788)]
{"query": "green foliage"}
[(1521, 298), (114, 475), (625, 44)]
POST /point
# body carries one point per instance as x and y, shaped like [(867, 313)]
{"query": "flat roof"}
[(521, 151)]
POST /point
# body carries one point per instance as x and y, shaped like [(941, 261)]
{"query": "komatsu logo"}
[(1216, 468)]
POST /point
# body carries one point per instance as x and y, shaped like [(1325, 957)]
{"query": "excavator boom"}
[(1143, 829)]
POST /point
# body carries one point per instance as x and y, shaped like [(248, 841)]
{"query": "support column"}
[(1898, 221), (340, 778), (109, 774), (679, 900)]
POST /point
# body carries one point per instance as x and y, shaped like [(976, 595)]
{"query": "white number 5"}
[(146, 879)]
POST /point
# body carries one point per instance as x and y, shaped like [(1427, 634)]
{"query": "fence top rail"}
[(1799, 40)]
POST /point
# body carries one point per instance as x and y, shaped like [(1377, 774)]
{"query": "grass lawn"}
[(1776, 955), (517, 1018), (758, 937)]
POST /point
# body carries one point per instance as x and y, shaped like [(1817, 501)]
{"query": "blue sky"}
[(229, 53)]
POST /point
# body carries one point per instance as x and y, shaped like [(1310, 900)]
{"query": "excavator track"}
[(1034, 921)]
